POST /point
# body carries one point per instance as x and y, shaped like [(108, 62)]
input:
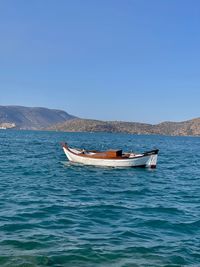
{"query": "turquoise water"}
[(53, 213)]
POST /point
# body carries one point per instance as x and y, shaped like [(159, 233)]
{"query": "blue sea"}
[(53, 213)]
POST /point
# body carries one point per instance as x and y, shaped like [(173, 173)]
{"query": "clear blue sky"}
[(132, 60)]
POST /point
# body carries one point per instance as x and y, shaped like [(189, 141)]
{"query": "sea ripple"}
[(53, 213)]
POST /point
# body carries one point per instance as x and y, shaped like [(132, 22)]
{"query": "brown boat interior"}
[(110, 154)]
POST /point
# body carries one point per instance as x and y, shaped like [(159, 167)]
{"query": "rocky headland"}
[(31, 118), (185, 128), (39, 118)]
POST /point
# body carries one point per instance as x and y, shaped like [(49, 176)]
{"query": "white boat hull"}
[(140, 160)]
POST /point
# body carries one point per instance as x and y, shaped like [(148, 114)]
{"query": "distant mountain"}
[(190, 127), (37, 118), (31, 118), (84, 125)]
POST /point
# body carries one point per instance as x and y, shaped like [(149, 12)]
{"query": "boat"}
[(111, 158)]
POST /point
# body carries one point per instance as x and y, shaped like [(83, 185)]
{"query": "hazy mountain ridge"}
[(190, 127), (38, 118), (33, 118)]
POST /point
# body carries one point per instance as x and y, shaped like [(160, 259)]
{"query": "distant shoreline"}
[(97, 132), (38, 118), (186, 128)]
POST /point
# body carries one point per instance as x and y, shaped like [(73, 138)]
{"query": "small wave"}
[(128, 192), (21, 244), (161, 210)]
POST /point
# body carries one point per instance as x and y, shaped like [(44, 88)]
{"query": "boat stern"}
[(153, 157)]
